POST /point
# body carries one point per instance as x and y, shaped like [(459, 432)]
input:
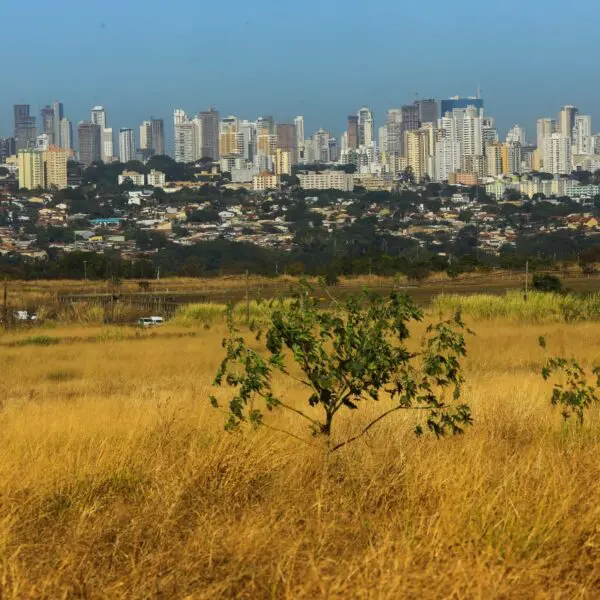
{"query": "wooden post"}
[(247, 299), (526, 280), (5, 305)]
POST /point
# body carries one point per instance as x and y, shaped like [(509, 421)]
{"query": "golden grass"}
[(117, 481)]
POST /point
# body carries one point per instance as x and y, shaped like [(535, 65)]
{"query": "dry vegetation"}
[(117, 480)]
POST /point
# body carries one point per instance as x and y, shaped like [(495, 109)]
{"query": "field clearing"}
[(118, 481)]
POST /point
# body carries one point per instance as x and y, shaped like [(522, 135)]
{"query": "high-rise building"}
[(582, 135), (557, 154), (58, 116), (55, 167), (299, 128), (511, 158), (228, 136), (209, 134), (409, 121), (157, 128), (47, 114), (544, 129), (108, 145), (352, 132), (90, 142), (31, 169), (286, 139), (333, 150), (566, 120), (419, 152), (25, 130), (283, 162), (145, 135), (8, 147), (185, 138), (472, 132), (494, 159), (366, 127), (428, 110), (65, 134), (516, 135), (126, 145), (458, 102), (98, 116)]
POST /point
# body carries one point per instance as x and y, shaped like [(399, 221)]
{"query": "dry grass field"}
[(118, 481)]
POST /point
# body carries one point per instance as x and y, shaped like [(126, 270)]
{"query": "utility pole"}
[(247, 299), (5, 305), (85, 270), (526, 280)]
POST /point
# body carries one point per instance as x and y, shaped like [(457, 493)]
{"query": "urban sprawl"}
[(434, 179)]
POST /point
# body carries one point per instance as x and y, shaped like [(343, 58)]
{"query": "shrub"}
[(544, 282), (350, 354)]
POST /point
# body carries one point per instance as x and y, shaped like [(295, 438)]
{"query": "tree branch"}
[(278, 430), (375, 421)]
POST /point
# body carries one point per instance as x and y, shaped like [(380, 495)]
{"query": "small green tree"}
[(573, 393), (347, 355), (544, 282)]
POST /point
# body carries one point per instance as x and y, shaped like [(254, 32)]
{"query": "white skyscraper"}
[(447, 149), (108, 146), (557, 154), (516, 135), (582, 135), (98, 116), (299, 125), (366, 127), (472, 133), (382, 138), (185, 138), (126, 145)]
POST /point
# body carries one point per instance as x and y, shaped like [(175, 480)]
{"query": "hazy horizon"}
[(145, 59)]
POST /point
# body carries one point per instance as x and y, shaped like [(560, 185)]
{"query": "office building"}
[(409, 121), (98, 116), (31, 169), (90, 141), (157, 128), (55, 167), (126, 145), (428, 110), (493, 157), (42, 142), (286, 137), (25, 130), (108, 145), (65, 134)]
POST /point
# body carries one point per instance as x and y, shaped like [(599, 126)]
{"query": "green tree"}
[(544, 282), (348, 355)]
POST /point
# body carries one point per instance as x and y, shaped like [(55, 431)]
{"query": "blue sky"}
[(319, 58)]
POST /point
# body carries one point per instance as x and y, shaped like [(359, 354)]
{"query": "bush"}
[(543, 282)]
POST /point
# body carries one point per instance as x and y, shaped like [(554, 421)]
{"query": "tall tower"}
[(366, 127), (566, 120), (58, 114), (157, 127), (126, 145), (25, 131), (352, 132), (90, 141), (47, 114), (209, 128), (146, 135)]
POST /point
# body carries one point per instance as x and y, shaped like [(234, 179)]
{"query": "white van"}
[(150, 321)]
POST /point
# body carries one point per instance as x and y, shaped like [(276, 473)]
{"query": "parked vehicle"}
[(23, 315), (150, 321)]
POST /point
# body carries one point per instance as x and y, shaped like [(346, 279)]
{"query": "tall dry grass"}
[(117, 481)]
